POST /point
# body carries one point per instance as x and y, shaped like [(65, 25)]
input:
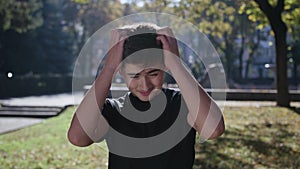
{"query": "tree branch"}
[(280, 6), (265, 7)]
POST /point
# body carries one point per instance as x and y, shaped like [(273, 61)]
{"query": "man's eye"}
[(153, 74), (134, 77)]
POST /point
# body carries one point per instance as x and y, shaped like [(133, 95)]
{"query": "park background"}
[(257, 40), (40, 40)]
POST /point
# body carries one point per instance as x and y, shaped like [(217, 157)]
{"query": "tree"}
[(85, 17), (32, 33), (55, 40), (282, 15), (220, 21), (18, 20), (90, 15), (20, 16), (294, 54), (280, 30)]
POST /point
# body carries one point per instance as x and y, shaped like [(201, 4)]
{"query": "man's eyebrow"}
[(154, 70), (151, 71), (133, 74)]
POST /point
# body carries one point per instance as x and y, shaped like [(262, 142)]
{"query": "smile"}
[(146, 93)]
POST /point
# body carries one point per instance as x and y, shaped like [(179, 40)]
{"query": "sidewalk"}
[(55, 100), (236, 103), (29, 110), (8, 123)]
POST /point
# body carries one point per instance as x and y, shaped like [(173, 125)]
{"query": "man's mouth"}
[(145, 93)]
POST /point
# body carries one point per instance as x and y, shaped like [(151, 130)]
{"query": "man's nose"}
[(144, 83)]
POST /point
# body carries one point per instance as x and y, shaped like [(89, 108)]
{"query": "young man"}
[(151, 126)]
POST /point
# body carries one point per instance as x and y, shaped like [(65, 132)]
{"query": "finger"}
[(166, 31), (169, 45), (163, 40), (168, 34), (167, 40)]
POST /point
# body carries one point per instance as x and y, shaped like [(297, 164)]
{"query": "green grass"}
[(46, 146), (265, 137)]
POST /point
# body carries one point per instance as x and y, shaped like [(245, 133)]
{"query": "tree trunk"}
[(240, 55), (280, 30), (281, 69)]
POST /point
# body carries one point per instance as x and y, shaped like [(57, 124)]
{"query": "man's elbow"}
[(78, 141), (219, 130)]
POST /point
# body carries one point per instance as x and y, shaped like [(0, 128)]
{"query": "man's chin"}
[(147, 97), (152, 95), (144, 98)]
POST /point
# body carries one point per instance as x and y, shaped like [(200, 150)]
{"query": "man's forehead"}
[(138, 68)]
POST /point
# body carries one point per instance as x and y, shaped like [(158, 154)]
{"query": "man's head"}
[(142, 60), (141, 46)]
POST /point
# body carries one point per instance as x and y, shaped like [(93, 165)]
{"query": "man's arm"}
[(204, 114), (88, 125)]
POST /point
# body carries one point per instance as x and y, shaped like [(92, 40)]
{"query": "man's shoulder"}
[(171, 92)]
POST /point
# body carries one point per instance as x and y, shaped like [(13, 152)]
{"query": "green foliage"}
[(55, 39), (212, 17), (291, 13), (94, 14), (74, 21), (220, 21), (42, 35), (81, 1), (251, 9), (43, 50), (85, 17), (226, 21), (20, 16)]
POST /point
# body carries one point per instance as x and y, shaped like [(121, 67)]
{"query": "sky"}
[(129, 1), (139, 3)]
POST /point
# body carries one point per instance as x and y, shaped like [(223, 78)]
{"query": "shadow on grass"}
[(295, 109), (255, 146)]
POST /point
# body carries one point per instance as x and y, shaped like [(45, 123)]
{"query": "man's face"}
[(142, 81)]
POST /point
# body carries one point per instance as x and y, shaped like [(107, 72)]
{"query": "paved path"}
[(56, 100), (8, 124), (231, 103)]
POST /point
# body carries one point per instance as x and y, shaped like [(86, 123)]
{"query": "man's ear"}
[(121, 71), (165, 69)]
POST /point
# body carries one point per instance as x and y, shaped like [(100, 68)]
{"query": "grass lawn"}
[(264, 137)]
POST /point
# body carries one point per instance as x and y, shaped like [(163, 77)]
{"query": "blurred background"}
[(259, 47), (40, 40)]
